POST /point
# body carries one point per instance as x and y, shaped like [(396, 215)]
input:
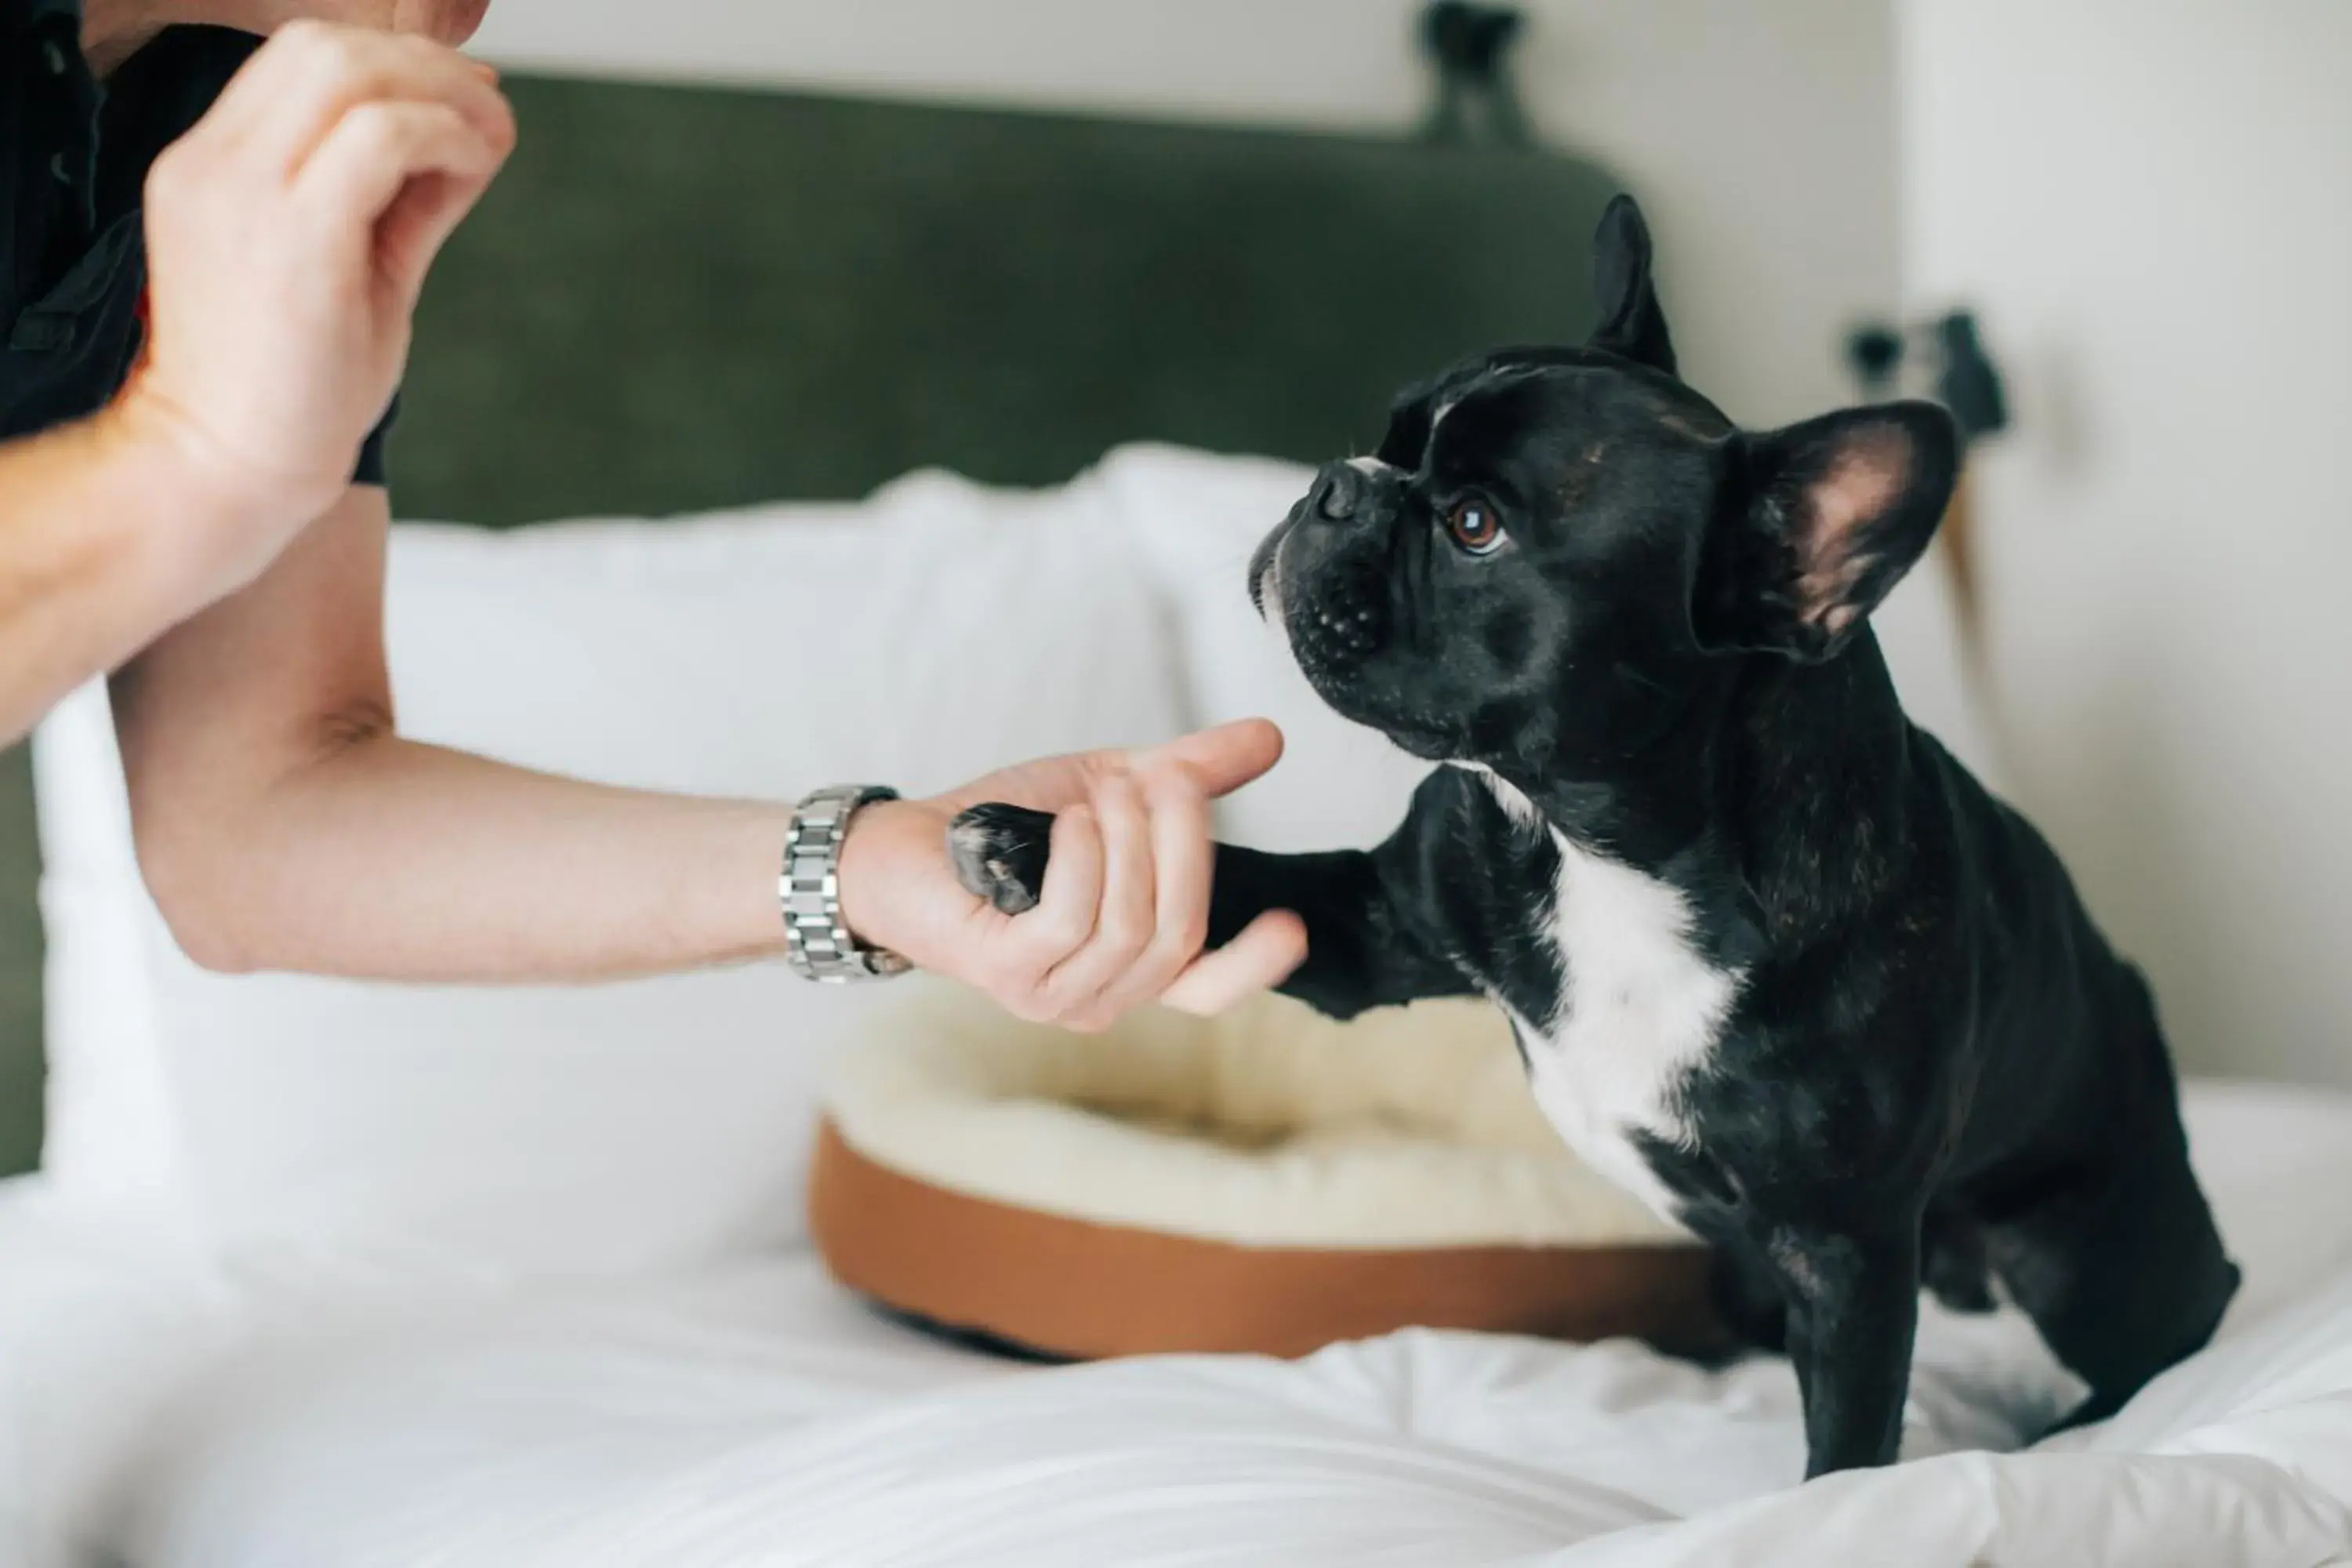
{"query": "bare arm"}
[(98, 551), (283, 823)]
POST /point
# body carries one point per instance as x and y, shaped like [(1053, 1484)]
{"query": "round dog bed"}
[(1270, 1181)]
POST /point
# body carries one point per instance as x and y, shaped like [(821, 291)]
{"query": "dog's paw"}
[(999, 853)]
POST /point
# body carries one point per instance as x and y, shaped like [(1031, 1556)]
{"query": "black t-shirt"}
[(74, 156)]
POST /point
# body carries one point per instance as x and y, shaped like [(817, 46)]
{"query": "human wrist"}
[(209, 521), (132, 553), (879, 846)]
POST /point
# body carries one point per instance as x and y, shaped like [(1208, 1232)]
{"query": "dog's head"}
[(1555, 549)]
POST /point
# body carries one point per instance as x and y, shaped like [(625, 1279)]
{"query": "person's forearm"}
[(99, 551), (283, 823), (394, 860)]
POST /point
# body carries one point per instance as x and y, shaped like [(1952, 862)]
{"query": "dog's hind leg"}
[(2116, 1257), (2123, 1272)]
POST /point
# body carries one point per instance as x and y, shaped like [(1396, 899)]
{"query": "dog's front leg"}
[(1362, 948), (1853, 1310)]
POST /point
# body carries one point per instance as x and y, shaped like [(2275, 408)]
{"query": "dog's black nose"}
[(1337, 489)]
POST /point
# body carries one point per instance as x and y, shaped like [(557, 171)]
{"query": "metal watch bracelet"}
[(817, 942)]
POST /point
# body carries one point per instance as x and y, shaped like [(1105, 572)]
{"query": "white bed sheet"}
[(754, 1415)]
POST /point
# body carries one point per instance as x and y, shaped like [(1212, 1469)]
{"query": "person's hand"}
[(288, 235), (1126, 900)]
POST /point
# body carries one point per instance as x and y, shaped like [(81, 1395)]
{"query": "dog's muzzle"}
[(1323, 574)]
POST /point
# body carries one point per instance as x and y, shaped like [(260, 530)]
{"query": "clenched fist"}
[(288, 235)]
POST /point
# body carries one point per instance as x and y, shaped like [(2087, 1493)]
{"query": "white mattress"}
[(157, 1419)]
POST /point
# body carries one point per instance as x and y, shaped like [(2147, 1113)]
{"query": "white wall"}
[(2151, 202), (1758, 136)]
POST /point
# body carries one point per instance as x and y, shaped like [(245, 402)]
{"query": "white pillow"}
[(935, 632), (1198, 519)]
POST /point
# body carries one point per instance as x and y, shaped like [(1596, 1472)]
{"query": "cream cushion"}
[(1270, 1127)]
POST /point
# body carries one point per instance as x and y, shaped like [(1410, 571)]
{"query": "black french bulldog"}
[(1774, 958)]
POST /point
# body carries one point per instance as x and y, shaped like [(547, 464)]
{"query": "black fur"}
[(1933, 1069)]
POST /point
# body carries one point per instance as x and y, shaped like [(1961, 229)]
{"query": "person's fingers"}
[(416, 226), (1227, 757), (410, 233), (378, 153), (1081, 988), (429, 208), (1183, 858), (1259, 959), (1221, 759), (1034, 943), (302, 84)]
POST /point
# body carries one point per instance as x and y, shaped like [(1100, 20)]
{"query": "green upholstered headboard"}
[(680, 297)]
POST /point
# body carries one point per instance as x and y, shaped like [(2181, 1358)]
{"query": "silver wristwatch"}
[(817, 942)]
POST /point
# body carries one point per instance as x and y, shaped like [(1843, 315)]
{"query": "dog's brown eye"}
[(1472, 523)]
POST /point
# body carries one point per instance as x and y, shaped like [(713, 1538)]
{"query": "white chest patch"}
[(1641, 1009)]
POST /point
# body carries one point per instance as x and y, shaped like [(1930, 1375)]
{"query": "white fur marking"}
[(1371, 467), (1641, 1010), (1508, 796)]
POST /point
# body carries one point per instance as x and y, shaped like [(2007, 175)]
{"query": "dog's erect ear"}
[(1819, 521), (1630, 325), (1407, 437)]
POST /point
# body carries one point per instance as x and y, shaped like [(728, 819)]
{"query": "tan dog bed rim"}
[(1086, 1290)]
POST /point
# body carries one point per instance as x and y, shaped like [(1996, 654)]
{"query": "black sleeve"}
[(371, 468)]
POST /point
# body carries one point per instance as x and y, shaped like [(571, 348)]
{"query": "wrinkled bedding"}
[(162, 1417)]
